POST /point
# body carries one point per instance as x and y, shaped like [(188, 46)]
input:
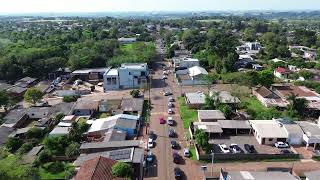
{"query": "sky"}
[(36, 6)]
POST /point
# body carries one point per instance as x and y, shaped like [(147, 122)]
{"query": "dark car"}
[(174, 145), (171, 133), (250, 148), (178, 173), (176, 157), (152, 135), (285, 151)]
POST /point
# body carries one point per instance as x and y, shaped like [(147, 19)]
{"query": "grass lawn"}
[(187, 115), (145, 113), (193, 153), (258, 111), (45, 174), (13, 166), (82, 120)]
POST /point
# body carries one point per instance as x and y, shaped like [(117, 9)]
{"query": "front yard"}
[(187, 115), (257, 111)]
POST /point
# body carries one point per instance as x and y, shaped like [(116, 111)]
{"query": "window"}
[(143, 73), (129, 73), (270, 139), (108, 81)]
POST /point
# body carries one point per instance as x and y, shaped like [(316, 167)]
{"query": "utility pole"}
[(212, 155)]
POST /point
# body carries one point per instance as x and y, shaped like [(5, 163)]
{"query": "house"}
[(182, 53), (211, 128), (94, 147), (80, 92), (85, 108), (39, 112), (210, 115), (16, 91), (268, 98), (132, 105), (257, 67), (59, 131), (16, 118), (195, 100), (310, 55), (69, 119), (255, 175), (96, 169), (93, 75), (185, 62), (124, 40), (224, 97), (129, 75), (4, 134), (271, 131), (128, 123), (191, 76), (115, 135), (5, 86), (197, 72), (281, 73), (44, 122), (133, 156), (26, 82), (311, 134), (312, 175)]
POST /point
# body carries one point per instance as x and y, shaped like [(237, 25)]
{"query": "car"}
[(170, 111), (250, 148), (286, 151), (281, 144), (224, 148), (170, 105), (149, 156), (171, 133), (152, 135), (170, 121), (162, 121), (176, 157), (177, 173), (174, 145), (170, 99), (165, 72), (164, 77), (186, 152), (167, 93), (235, 148), (150, 143)]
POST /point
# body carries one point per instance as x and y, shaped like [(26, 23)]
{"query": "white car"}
[(281, 145), (170, 99), (186, 152), (224, 148), (164, 77), (150, 143), (167, 93), (165, 73), (170, 121), (170, 105), (235, 148), (170, 111)]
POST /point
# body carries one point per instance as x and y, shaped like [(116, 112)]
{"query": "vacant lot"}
[(187, 115)]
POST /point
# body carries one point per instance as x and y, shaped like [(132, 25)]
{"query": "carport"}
[(212, 128), (311, 134), (235, 126)]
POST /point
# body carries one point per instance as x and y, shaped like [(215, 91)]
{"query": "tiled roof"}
[(264, 92), (98, 168)]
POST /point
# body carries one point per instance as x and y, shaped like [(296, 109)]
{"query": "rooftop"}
[(269, 128), (246, 175), (111, 144), (4, 134), (195, 98), (210, 114), (93, 70), (234, 124), (14, 116), (209, 127), (132, 104), (93, 105), (312, 175), (115, 135), (310, 129), (197, 70), (112, 72), (224, 96), (59, 131), (300, 91)]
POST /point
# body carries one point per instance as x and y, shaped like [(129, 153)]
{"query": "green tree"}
[(306, 74), (26, 147), (266, 78), (4, 98), (44, 156), (297, 105), (122, 170), (210, 103), (226, 109), (135, 93), (249, 34), (73, 150), (209, 79), (33, 95), (202, 139), (13, 144), (34, 132)]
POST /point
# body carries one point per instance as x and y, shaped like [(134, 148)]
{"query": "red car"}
[(162, 121)]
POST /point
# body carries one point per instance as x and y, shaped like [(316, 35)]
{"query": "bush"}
[(13, 144), (135, 93), (72, 150), (70, 98), (44, 156), (55, 167), (121, 169), (26, 147), (34, 133)]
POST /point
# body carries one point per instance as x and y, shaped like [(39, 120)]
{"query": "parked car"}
[(176, 157), (235, 148), (149, 156), (286, 151), (152, 135), (164, 77), (281, 144), (165, 73), (171, 133), (186, 152), (174, 145), (250, 148), (170, 121), (170, 111), (177, 173), (167, 93), (150, 143), (224, 148), (170, 105), (162, 121), (170, 99)]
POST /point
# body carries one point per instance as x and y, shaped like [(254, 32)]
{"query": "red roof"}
[(98, 168), (281, 70)]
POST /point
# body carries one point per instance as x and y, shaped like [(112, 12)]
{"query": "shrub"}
[(121, 169), (34, 132), (44, 156), (13, 144), (26, 147), (70, 98), (72, 150), (135, 93), (55, 167)]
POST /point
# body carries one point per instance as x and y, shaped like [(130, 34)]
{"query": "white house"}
[(131, 75), (185, 62)]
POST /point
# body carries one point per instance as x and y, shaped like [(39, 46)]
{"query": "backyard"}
[(187, 115)]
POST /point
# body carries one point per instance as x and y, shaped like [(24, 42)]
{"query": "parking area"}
[(241, 141)]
